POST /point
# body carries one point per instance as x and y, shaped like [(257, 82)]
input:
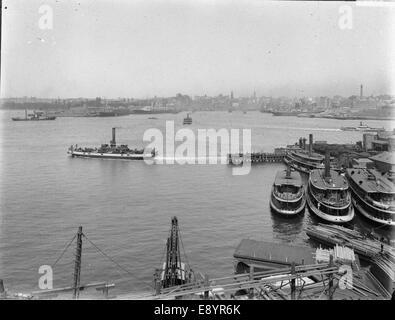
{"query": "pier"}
[(255, 158)]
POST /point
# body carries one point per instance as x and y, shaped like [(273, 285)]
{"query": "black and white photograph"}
[(210, 150)]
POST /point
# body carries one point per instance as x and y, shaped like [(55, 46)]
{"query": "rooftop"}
[(371, 181), (282, 179), (336, 181), (386, 157), (273, 252)]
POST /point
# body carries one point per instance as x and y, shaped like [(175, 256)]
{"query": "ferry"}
[(187, 120), (329, 196), (373, 194), (288, 194), (35, 116), (285, 113), (304, 160), (112, 151), (362, 127)]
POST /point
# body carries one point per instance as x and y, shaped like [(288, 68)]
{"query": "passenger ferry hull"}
[(356, 200), (110, 155), (329, 217), (289, 213)]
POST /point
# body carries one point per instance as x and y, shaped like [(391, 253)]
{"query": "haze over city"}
[(156, 48)]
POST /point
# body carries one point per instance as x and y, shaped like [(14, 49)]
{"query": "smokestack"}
[(112, 142), (361, 93), (300, 143), (327, 165), (288, 174), (304, 143), (310, 144)]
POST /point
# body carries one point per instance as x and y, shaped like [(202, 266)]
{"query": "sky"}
[(130, 48)]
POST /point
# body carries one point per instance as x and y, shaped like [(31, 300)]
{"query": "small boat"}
[(288, 194), (187, 120), (329, 196)]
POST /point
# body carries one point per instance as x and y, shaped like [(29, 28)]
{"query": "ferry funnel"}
[(310, 144), (327, 165), (113, 142)]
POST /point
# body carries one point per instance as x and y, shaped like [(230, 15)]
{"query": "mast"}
[(77, 264)]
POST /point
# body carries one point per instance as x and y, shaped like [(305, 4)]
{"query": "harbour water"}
[(125, 207)]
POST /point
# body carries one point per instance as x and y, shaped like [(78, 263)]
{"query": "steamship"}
[(373, 194), (288, 195), (328, 195), (303, 159), (187, 120), (112, 151), (35, 116)]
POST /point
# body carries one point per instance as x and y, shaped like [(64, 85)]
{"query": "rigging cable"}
[(63, 252), (116, 263)]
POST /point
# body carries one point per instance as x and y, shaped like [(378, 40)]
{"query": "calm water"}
[(125, 207)]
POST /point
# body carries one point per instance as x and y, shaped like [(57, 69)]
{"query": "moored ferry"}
[(373, 194), (112, 151), (304, 160), (288, 195), (328, 195)]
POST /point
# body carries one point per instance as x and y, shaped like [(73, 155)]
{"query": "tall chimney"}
[(310, 144), (361, 92), (327, 165), (304, 143), (112, 142), (288, 174), (300, 143)]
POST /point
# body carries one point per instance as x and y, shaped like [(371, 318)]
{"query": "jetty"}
[(255, 158)]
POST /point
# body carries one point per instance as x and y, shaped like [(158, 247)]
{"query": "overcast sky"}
[(146, 48)]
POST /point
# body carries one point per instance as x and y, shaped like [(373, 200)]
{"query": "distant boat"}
[(362, 127), (285, 113), (35, 116), (187, 120), (288, 195)]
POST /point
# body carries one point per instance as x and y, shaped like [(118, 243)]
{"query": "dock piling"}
[(293, 281), (206, 284)]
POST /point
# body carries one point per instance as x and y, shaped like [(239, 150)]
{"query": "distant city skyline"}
[(142, 49)]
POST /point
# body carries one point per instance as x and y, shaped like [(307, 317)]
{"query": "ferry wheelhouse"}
[(288, 195), (373, 194), (329, 196)]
